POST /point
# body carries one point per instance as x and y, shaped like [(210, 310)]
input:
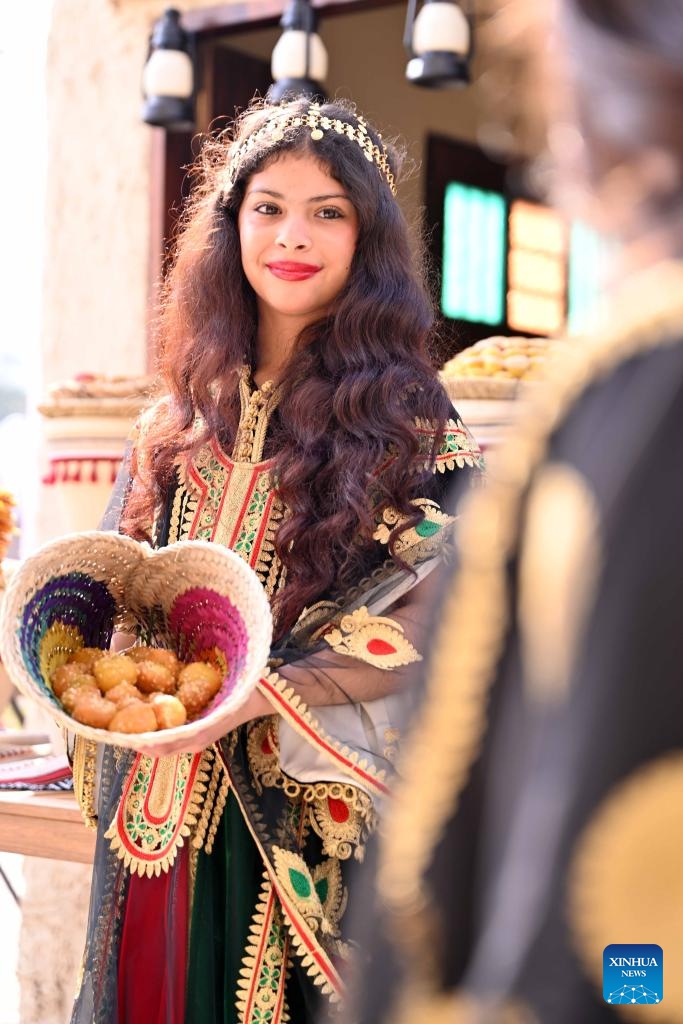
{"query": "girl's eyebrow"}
[(313, 199)]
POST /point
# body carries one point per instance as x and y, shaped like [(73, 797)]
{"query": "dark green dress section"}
[(227, 884), (226, 890)]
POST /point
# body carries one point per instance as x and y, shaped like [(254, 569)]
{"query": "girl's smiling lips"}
[(288, 270)]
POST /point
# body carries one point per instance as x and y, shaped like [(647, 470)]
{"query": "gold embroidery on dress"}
[(83, 767), (257, 407), (421, 541), (161, 793), (311, 916), (458, 447), (341, 815), (231, 500), (295, 877), (263, 752), (158, 810), (296, 713), (371, 638), (313, 621), (212, 807), (327, 879), (392, 738), (313, 957), (636, 823), (338, 824), (174, 531), (260, 987)]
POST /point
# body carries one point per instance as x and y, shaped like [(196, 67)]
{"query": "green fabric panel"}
[(427, 528), (300, 883), (226, 889)]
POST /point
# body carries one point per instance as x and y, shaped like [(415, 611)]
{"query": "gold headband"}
[(277, 125)]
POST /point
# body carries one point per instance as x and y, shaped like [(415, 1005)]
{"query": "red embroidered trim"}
[(318, 739)]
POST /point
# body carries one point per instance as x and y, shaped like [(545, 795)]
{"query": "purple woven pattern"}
[(74, 599), (200, 621)]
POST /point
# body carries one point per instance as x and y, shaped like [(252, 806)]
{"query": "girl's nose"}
[(293, 234)]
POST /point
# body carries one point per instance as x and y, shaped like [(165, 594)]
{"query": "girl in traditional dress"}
[(303, 425)]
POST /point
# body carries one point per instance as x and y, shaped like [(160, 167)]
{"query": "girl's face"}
[(298, 231)]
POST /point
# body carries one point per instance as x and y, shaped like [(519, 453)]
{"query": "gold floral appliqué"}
[(371, 638)]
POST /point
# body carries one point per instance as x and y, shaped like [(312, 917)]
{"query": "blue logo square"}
[(633, 973)]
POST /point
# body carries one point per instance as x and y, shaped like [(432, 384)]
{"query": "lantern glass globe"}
[(441, 27), (168, 73), (288, 59)]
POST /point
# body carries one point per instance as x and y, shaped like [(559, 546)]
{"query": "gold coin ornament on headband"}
[(277, 126)]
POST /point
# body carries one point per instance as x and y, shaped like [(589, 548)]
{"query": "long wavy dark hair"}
[(354, 385)]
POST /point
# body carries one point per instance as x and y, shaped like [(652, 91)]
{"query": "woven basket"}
[(198, 599), (480, 387)]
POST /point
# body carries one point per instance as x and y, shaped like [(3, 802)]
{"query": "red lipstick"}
[(287, 270)]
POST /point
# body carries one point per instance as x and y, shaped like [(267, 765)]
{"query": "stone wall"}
[(97, 192), (97, 202)]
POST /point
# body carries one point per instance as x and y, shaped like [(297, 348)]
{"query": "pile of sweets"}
[(142, 689), (92, 385), (495, 367), (96, 394)]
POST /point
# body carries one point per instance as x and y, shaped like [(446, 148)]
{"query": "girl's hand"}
[(255, 706)]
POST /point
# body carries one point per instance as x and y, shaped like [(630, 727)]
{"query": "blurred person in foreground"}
[(539, 817)]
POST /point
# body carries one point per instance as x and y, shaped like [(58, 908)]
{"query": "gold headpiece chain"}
[(276, 127)]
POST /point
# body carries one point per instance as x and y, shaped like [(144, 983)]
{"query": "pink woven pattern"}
[(205, 625)]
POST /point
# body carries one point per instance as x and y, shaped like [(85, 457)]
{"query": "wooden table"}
[(45, 824)]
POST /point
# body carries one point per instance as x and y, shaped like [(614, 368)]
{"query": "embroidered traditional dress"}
[(221, 878)]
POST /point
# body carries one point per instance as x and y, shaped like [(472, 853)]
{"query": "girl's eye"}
[(268, 208), (330, 213)]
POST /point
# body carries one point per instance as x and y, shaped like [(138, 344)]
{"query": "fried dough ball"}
[(195, 695), (198, 682), (200, 670), (91, 708), (137, 653), (170, 712), (157, 654), (71, 694), (66, 675), (86, 656), (155, 678), (134, 717), (123, 694), (113, 669)]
